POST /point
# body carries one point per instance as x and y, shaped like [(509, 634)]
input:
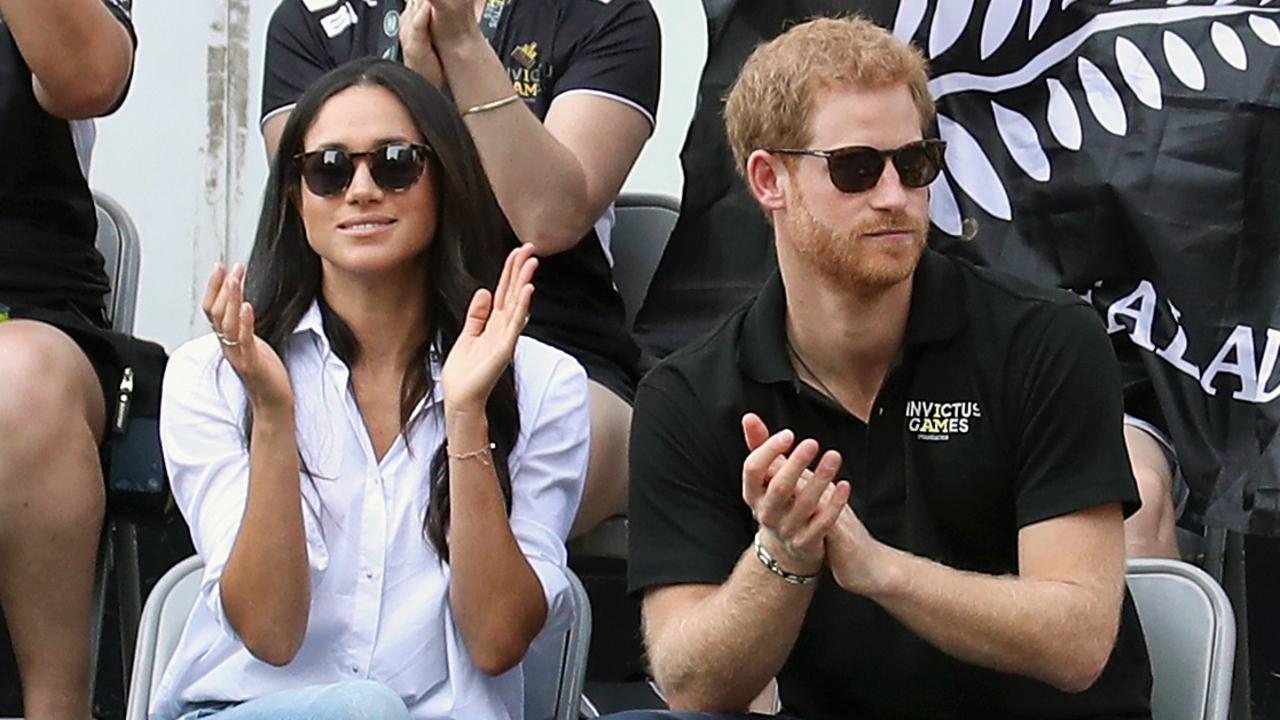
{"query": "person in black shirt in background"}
[(894, 481), (60, 61), (560, 97)]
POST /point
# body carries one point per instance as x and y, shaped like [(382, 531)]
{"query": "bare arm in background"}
[(80, 54)]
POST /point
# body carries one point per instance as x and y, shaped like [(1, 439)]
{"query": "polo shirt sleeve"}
[(1070, 454), (688, 521), (550, 467), (123, 10), (620, 59), (207, 458), (295, 57)]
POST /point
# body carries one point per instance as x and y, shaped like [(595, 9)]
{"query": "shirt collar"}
[(936, 314), (313, 323)]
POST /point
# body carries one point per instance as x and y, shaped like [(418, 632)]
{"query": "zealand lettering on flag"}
[(1128, 151)]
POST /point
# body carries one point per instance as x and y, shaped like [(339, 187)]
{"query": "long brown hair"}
[(472, 239)]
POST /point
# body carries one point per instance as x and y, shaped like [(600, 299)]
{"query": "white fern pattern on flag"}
[(1002, 15), (971, 169), (1183, 61), (1102, 98), (1019, 135), (1229, 46), (910, 15), (949, 21), (1138, 73), (943, 209), (1266, 30), (1039, 11), (1064, 119)]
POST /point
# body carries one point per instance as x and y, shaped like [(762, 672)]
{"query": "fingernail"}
[(786, 436)]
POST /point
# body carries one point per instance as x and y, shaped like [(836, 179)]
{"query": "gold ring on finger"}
[(228, 343)]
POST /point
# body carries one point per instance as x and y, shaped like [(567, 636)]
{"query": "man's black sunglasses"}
[(858, 168), (394, 166)]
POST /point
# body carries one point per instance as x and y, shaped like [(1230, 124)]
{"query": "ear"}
[(768, 178)]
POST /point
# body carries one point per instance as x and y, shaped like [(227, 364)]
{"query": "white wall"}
[(184, 155)]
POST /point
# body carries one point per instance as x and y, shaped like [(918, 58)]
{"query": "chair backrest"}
[(117, 240), (642, 226), (555, 668), (1191, 637), (163, 618)]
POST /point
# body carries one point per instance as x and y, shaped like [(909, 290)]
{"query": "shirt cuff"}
[(549, 560)]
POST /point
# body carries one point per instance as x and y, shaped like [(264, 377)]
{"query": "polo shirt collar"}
[(936, 314)]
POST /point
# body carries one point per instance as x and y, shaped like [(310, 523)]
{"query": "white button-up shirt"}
[(379, 592)]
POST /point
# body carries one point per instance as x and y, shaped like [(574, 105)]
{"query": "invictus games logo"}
[(940, 420), (528, 71)]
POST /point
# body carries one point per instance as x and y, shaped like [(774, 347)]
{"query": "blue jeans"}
[(356, 700), (675, 715)]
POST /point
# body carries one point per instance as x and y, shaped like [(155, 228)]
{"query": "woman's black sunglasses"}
[(858, 168), (394, 166)]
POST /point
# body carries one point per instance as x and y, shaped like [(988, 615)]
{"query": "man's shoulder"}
[(591, 16), (705, 362), (333, 17), (603, 7), (321, 8), (998, 286), (1000, 302)]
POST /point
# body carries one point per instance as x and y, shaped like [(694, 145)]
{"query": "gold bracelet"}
[(484, 455), (493, 105)]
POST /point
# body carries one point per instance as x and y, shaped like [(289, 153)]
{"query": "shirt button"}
[(355, 669), (368, 576)]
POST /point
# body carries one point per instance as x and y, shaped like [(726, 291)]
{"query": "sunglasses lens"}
[(327, 172), (396, 166), (855, 169), (918, 164)]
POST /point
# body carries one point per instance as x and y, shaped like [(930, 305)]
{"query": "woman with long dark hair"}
[(378, 472)]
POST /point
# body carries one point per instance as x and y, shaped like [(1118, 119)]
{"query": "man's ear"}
[(767, 176)]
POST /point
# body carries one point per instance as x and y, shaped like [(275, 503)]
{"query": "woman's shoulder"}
[(541, 369), (197, 367), (198, 352), (534, 358)]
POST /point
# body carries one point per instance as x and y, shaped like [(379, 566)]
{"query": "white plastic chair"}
[(1191, 637), (555, 667)]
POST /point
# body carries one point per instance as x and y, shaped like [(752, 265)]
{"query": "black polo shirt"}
[(47, 219), (550, 48), (1003, 411)]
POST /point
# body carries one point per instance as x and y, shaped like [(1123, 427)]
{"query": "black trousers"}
[(1262, 595)]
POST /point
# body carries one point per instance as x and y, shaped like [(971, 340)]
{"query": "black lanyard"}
[(491, 17)]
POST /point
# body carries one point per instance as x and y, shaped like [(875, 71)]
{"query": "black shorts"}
[(88, 328), (109, 352), (607, 373)]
